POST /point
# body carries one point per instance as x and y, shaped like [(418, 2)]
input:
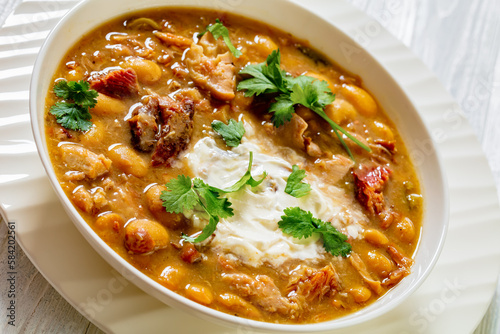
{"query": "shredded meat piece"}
[(190, 254), (118, 83), (389, 145), (176, 129), (311, 284), (360, 266), (395, 277), (82, 160), (214, 74), (144, 125), (312, 149), (201, 104), (370, 183), (171, 39), (293, 133), (398, 257), (261, 291), (404, 263), (227, 262), (333, 169)]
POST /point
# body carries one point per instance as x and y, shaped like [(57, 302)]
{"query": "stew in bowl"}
[(233, 164)]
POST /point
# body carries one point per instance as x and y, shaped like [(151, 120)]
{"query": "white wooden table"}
[(459, 40)]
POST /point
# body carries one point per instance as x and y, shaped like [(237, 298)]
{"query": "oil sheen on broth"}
[(161, 84)]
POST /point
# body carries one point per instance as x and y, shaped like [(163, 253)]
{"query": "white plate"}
[(453, 299)]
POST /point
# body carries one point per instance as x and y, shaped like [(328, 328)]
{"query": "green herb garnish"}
[(184, 194), (74, 113), (246, 179), (301, 224), (219, 30), (269, 78), (231, 133), (294, 184)]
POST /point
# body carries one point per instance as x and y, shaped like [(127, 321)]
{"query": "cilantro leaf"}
[(311, 93), (231, 133), (207, 231), (246, 179), (210, 200), (294, 184), (301, 224), (180, 196), (334, 242), (257, 85), (219, 30), (71, 116), (74, 113), (269, 78), (297, 223), (79, 92), (282, 110)]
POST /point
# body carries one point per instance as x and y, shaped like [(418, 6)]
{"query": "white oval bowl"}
[(338, 47)]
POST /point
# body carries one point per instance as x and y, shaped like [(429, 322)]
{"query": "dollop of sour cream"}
[(252, 234)]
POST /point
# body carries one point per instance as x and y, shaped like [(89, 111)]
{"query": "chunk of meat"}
[(395, 277), (163, 124), (144, 236), (214, 74), (176, 130), (360, 266), (171, 39), (404, 264), (388, 145), (227, 261), (190, 254), (82, 160), (398, 257), (201, 104), (118, 83), (311, 284), (260, 291), (144, 125), (370, 183), (333, 169), (292, 133)]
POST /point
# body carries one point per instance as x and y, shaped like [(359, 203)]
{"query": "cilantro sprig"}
[(246, 179), (294, 185), (218, 30), (269, 78), (184, 194), (301, 224), (73, 113), (232, 133)]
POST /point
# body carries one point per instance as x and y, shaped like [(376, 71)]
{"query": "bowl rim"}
[(147, 284)]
